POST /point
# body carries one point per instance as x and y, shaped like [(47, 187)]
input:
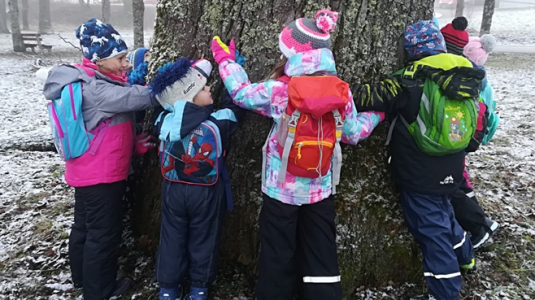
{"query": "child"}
[(98, 176), (455, 35), (467, 209), (297, 228), (136, 58), (196, 184), (427, 181)]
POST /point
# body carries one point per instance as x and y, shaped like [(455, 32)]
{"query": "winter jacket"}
[(269, 99), (172, 127), (411, 168), (103, 100)]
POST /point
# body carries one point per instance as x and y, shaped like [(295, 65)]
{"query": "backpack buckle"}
[(294, 119), (338, 121), (410, 71)]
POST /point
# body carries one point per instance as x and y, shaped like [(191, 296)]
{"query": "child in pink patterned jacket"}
[(295, 208)]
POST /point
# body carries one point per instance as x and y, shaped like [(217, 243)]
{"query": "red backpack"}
[(310, 129)]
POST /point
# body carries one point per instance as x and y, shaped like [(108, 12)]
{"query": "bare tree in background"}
[(3, 17), (460, 8), (25, 8), (45, 23), (139, 14), (18, 43), (106, 11), (488, 12)]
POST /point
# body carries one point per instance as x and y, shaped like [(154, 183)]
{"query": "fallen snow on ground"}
[(508, 26), (36, 205)]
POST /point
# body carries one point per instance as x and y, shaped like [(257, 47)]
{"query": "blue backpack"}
[(196, 158), (69, 134)]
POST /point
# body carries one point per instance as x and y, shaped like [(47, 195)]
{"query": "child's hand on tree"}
[(222, 52), (144, 143)]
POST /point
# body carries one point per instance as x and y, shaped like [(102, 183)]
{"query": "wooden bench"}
[(32, 40)]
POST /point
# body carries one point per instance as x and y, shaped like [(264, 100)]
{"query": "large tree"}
[(3, 17), (460, 8), (106, 11), (25, 8), (18, 43), (374, 247), (488, 12), (45, 23), (138, 18)]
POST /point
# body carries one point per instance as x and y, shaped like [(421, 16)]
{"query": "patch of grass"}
[(43, 227)]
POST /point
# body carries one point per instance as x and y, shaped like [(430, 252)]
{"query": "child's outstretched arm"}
[(258, 97), (378, 96), (358, 126), (112, 98)]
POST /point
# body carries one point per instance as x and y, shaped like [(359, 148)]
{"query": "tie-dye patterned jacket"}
[(270, 98)]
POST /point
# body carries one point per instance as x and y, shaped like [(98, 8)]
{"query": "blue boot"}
[(170, 294), (196, 293)]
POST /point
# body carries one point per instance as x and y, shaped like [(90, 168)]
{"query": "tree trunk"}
[(18, 43), (106, 11), (138, 17), (25, 25), (45, 24), (488, 12), (460, 8), (374, 246), (3, 17)]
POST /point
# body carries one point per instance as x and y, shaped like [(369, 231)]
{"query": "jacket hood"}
[(181, 120), (317, 61), (62, 75), (455, 75)]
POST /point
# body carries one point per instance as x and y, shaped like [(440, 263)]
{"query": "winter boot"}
[(422, 297), (480, 237), (492, 226), (196, 293), (170, 294), (121, 286)]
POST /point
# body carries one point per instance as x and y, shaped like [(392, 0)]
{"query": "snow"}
[(36, 204)]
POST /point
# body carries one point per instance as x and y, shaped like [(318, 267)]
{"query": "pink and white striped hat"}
[(307, 34)]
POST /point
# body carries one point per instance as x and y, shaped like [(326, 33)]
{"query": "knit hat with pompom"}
[(478, 49), (455, 35), (307, 34)]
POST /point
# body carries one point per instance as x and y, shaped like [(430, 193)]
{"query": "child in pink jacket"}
[(99, 176)]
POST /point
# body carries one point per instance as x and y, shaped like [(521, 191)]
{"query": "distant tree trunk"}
[(374, 246), (25, 8), (45, 24), (3, 17), (488, 12), (460, 8), (106, 11), (138, 17), (18, 43), (128, 9)]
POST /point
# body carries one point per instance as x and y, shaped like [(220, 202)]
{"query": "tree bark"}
[(488, 12), (18, 43), (460, 8), (106, 11), (25, 25), (45, 24), (374, 246), (138, 17), (3, 17)]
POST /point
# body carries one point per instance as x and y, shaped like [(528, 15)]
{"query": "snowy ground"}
[(508, 26), (36, 204)]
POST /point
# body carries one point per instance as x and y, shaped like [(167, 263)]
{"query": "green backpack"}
[(447, 117)]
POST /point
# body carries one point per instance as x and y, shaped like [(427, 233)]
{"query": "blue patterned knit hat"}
[(100, 40), (422, 39), (137, 56)]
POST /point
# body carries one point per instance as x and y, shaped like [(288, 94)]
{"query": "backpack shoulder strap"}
[(284, 78), (337, 159), (292, 125)]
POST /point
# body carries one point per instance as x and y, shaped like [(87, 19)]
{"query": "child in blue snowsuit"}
[(426, 182), (196, 188)]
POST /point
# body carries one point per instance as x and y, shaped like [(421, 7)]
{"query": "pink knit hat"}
[(477, 50), (307, 34)]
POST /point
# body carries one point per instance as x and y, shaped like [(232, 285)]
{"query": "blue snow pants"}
[(444, 244)]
